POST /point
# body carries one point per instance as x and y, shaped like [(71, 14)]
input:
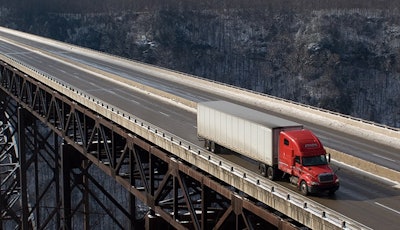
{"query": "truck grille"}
[(326, 177)]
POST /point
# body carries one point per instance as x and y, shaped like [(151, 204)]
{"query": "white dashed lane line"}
[(386, 158), (167, 115)]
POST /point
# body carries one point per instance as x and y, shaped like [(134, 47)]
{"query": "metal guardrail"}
[(247, 177)]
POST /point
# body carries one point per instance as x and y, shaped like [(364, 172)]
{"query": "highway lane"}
[(369, 200), (138, 103), (109, 65), (361, 194), (355, 198), (373, 152)]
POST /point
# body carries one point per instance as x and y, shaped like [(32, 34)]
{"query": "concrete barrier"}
[(364, 165)]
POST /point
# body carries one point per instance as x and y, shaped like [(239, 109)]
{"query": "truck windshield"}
[(315, 160)]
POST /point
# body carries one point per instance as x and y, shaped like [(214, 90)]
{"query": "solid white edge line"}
[(388, 208), (395, 183)]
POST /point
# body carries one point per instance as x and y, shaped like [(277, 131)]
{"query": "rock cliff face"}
[(341, 60)]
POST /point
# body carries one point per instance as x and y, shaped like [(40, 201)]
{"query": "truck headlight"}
[(314, 183)]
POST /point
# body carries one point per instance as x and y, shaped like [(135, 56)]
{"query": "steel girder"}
[(161, 190), (10, 192)]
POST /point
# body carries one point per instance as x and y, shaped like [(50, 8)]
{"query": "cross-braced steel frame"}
[(10, 188), (80, 170)]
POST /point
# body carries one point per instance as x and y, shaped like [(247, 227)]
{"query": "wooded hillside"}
[(338, 55), (96, 6)]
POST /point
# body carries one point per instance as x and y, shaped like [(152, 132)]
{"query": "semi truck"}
[(280, 146)]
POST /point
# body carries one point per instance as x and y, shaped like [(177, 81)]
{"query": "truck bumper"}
[(331, 188)]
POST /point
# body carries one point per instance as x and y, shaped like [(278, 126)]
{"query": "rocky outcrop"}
[(341, 60)]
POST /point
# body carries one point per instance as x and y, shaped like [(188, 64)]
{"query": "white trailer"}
[(246, 131)]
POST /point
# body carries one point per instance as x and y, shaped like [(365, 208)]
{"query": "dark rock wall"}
[(341, 60)]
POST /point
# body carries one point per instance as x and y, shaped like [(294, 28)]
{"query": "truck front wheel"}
[(304, 188)]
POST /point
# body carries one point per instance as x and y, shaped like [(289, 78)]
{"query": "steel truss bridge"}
[(58, 182), (71, 161)]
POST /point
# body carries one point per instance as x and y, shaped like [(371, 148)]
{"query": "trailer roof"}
[(252, 115)]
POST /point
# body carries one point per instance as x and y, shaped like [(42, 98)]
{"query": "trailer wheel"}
[(263, 170), (304, 188), (271, 173), (212, 146), (207, 144)]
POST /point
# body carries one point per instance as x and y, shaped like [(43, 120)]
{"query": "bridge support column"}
[(66, 192), (23, 168), (70, 159), (152, 221), (25, 162)]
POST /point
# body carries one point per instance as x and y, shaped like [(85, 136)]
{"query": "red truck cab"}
[(302, 156)]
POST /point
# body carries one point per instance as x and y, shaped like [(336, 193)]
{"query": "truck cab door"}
[(297, 166), (286, 155)]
